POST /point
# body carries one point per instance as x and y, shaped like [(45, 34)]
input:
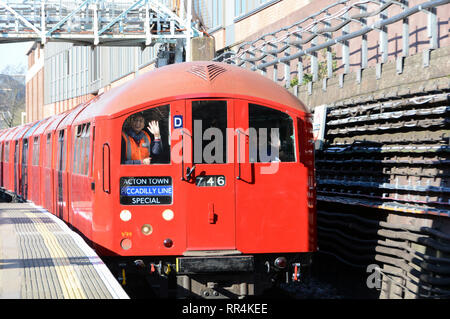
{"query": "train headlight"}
[(146, 229), (125, 215), (280, 262), (167, 214), (125, 243)]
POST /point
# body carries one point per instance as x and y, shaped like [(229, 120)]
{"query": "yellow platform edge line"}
[(67, 276)]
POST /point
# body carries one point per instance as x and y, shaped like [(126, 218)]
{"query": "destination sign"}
[(147, 190)]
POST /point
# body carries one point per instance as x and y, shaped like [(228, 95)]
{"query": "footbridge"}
[(96, 22)]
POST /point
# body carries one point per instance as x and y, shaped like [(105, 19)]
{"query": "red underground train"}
[(199, 176)]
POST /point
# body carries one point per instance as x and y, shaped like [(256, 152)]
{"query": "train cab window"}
[(271, 135), (146, 137), (209, 123)]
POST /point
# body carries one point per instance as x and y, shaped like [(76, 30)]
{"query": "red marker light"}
[(168, 243), (280, 262)]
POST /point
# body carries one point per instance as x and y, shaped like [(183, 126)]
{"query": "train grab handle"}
[(189, 171), (106, 169), (239, 132)]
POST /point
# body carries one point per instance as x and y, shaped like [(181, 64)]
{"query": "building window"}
[(239, 7), (210, 12), (242, 7), (96, 64), (217, 13), (67, 62)]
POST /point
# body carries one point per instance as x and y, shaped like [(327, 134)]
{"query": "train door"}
[(80, 179), (268, 178), (24, 170), (210, 178), (61, 177), (2, 158), (6, 167), (16, 167), (47, 175)]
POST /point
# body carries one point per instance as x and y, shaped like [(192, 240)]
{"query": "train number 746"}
[(210, 180)]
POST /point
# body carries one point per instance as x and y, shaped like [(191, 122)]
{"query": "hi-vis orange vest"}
[(137, 151)]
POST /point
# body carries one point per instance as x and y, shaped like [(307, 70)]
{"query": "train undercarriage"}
[(208, 277)]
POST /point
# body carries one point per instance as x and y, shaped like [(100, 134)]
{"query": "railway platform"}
[(42, 258)]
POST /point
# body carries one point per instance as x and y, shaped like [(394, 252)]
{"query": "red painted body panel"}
[(48, 168), (8, 168), (62, 193), (18, 159), (175, 82), (36, 170)]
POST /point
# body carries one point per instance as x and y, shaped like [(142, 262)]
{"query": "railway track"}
[(383, 191)]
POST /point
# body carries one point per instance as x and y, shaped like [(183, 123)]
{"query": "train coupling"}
[(296, 272)]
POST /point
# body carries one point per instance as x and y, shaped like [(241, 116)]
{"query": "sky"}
[(14, 54)]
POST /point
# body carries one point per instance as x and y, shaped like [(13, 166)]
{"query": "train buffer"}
[(42, 258)]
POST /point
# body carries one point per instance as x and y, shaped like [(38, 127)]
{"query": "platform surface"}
[(42, 258)]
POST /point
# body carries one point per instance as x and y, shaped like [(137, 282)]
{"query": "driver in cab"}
[(137, 146)]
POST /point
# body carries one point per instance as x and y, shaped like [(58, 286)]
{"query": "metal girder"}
[(94, 22)]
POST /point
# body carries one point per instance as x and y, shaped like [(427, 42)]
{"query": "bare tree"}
[(12, 95)]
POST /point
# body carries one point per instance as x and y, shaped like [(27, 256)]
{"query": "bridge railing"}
[(347, 35), (97, 22)]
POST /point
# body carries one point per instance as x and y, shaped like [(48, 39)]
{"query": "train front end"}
[(215, 199)]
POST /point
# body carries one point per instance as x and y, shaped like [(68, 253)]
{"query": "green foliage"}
[(322, 68)]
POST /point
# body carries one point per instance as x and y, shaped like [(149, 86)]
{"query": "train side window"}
[(16, 152), (36, 151), (76, 149), (92, 151), (81, 149), (61, 152), (140, 141), (272, 135), (7, 152), (87, 146), (209, 122), (48, 151), (25, 151)]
